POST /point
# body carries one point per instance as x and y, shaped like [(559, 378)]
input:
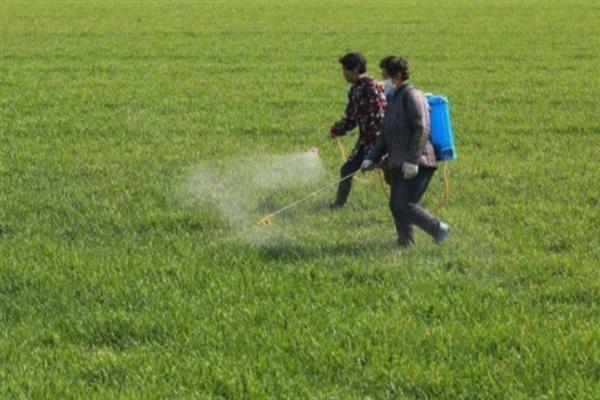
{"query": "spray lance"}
[(266, 220)]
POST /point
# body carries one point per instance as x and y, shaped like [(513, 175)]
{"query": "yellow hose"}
[(446, 195), (385, 191)]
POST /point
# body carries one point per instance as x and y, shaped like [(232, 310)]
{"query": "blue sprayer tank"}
[(441, 128)]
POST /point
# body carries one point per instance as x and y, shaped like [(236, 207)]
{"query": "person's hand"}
[(409, 170), (367, 165)]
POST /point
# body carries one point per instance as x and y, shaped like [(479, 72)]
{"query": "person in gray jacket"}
[(410, 162)]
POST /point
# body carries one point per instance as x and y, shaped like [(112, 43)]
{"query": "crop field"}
[(142, 140)]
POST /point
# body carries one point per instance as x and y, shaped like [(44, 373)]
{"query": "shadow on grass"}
[(4, 231), (198, 222), (301, 252)]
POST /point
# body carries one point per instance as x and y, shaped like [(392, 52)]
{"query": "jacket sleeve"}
[(417, 110), (348, 121)]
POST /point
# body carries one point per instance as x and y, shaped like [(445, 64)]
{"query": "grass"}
[(109, 287)]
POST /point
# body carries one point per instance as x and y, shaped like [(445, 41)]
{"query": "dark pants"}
[(404, 203), (351, 165)]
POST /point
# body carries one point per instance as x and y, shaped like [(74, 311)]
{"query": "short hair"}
[(395, 65), (352, 61), (385, 61)]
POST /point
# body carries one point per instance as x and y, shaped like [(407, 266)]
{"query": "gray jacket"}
[(405, 132)]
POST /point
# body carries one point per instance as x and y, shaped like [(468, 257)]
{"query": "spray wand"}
[(266, 220)]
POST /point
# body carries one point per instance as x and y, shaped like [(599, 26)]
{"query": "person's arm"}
[(348, 121), (417, 110)]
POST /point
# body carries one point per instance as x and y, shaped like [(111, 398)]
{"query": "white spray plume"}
[(245, 189)]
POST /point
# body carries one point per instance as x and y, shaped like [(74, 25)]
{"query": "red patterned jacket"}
[(366, 102)]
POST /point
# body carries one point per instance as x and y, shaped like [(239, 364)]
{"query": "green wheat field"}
[(116, 282)]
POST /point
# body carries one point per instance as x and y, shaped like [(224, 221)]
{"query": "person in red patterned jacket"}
[(366, 102)]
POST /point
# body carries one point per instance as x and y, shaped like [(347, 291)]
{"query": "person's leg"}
[(415, 189), (398, 195), (350, 166), (406, 235)]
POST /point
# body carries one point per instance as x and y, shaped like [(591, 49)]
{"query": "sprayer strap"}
[(405, 89)]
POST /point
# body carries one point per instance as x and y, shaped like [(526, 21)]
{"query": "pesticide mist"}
[(244, 190)]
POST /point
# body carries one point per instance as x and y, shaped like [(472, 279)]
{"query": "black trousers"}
[(404, 204), (351, 165)]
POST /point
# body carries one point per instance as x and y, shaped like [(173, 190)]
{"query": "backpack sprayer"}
[(441, 127), (441, 137)]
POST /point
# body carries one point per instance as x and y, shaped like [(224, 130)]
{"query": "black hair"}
[(385, 61), (394, 66), (352, 61)]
